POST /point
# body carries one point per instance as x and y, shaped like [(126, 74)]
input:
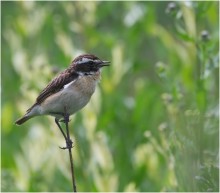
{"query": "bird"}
[(69, 91)]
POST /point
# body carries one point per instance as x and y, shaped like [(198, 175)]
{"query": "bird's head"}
[(88, 64)]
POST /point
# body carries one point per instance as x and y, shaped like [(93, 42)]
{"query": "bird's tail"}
[(22, 120)]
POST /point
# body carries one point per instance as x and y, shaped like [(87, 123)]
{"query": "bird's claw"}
[(69, 145), (64, 121)]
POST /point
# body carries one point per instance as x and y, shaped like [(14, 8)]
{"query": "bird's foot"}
[(69, 144), (64, 120)]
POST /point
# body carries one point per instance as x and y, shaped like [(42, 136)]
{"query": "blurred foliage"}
[(152, 124)]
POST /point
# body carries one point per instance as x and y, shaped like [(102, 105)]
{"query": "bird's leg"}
[(65, 135), (69, 143), (66, 120), (59, 126)]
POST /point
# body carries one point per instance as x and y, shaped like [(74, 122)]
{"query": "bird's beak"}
[(104, 63)]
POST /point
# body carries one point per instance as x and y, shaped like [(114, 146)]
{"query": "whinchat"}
[(71, 89)]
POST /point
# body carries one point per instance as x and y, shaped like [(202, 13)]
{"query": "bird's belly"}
[(71, 100)]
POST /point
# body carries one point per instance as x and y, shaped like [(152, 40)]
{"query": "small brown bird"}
[(71, 89)]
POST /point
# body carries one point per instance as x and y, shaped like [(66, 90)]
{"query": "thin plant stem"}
[(69, 144)]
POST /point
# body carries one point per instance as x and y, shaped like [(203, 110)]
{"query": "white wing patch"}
[(67, 85)]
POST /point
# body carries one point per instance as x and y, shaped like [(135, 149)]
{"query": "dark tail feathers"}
[(22, 120)]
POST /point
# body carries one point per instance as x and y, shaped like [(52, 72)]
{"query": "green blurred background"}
[(152, 124)]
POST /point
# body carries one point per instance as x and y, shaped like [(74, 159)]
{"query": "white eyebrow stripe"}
[(67, 85), (84, 60)]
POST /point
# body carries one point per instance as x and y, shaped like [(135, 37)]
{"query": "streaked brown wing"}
[(55, 86)]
